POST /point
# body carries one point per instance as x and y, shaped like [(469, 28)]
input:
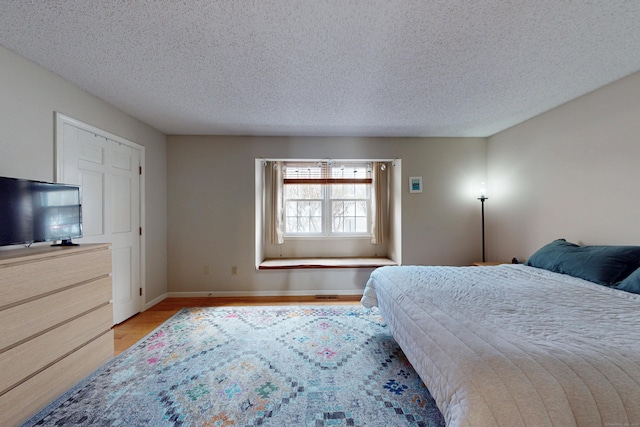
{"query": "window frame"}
[(386, 200), (323, 175)]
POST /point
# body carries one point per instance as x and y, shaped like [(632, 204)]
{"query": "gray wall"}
[(573, 172), (30, 96), (211, 208)]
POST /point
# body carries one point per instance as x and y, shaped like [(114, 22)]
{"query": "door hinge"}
[(140, 170), (140, 291), (140, 231)]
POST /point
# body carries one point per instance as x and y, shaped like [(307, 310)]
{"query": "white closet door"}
[(108, 172)]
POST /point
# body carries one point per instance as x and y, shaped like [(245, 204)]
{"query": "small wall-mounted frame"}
[(415, 184)]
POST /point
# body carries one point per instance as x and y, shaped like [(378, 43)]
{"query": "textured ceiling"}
[(330, 67)]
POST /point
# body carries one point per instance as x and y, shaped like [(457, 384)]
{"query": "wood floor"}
[(132, 330)]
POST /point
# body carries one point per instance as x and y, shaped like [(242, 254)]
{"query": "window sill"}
[(299, 263)]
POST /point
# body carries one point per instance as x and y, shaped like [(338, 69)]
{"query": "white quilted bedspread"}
[(514, 345)]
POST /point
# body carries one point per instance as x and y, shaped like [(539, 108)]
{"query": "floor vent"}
[(325, 297)]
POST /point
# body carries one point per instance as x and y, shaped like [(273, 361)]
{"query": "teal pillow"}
[(605, 265), (631, 283), (550, 256)]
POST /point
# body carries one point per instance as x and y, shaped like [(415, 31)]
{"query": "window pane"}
[(349, 225), (291, 207), (303, 225), (350, 191), (303, 216), (337, 208), (349, 209), (361, 191), (342, 191), (337, 191), (303, 191), (315, 209), (337, 224), (302, 206), (290, 191), (361, 208), (311, 191), (349, 216)]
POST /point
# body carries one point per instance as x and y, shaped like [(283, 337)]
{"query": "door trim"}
[(60, 121)]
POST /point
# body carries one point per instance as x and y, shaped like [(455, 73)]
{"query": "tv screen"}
[(35, 211)]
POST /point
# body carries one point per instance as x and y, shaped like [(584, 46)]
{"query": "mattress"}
[(515, 346)]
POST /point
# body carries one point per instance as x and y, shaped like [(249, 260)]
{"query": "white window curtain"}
[(377, 228), (277, 205)]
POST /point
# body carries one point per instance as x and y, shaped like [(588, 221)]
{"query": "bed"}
[(521, 345)]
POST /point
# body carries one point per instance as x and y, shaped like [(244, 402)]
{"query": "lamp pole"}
[(482, 198)]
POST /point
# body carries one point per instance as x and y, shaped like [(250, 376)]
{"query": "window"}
[(326, 199), (327, 211)]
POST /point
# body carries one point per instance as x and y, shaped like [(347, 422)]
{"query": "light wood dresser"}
[(55, 323)]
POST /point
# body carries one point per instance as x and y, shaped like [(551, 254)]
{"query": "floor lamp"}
[(482, 196)]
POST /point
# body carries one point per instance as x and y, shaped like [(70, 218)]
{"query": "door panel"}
[(108, 172), (122, 159), (92, 186), (125, 295), (90, 152), (125, 225), (121, 190)]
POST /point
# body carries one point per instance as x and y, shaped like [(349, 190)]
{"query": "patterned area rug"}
[(255, 366)]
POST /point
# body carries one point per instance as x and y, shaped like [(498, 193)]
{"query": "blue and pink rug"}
[(254, 366)]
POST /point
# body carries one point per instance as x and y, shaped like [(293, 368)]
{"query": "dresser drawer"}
[(21, 402), (22, 280), (34, 355), (23, 321)]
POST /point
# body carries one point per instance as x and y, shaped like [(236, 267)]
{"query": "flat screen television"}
[(35, 211)]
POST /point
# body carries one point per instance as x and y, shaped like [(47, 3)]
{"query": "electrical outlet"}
[(234, 270), (207, 270)]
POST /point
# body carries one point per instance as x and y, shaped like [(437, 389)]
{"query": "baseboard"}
[(244, 294), (323, 295), (155, 301)]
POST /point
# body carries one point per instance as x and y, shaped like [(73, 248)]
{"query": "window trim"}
[(325, 179), (267, 240)]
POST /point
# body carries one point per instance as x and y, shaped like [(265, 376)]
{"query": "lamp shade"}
[(481, 191)]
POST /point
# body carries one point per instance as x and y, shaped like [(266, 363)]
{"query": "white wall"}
[(573, 172), (211, 209), (30, 96)]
